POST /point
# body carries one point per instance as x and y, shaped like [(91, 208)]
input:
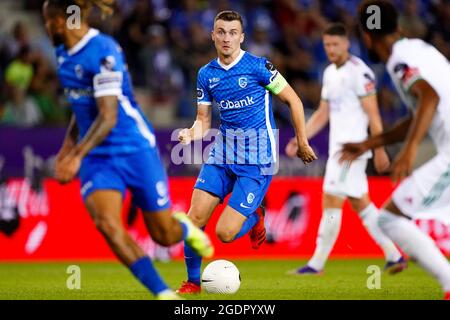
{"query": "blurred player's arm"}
[(201, 125), (370, 106), (68, 166), (412, 129), (396, 134), (427, 102), (70, 139), (316, 122), (288, 96), (105, 121), (318, 119)]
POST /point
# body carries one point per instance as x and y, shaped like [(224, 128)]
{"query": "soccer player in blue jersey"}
[(243, 158), (111, 144)]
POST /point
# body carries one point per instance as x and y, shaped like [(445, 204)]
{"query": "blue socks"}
[(248, 225), (146, 273), (193, 264), (185, 229), (194, 261)]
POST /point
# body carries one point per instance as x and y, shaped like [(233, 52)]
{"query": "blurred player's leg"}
[(105, 207), (167, 229), (202, 207), (150, 190), (369, 215), (329, 228), (415, 243)]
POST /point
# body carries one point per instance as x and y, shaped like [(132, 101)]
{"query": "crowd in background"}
[(166, 42)]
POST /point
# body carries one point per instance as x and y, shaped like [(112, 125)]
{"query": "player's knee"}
[(359, 205), (225, 235), (197, 219), (163, 239)]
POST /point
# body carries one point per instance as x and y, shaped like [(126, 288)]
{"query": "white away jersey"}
[(343, 88), (414, 59)]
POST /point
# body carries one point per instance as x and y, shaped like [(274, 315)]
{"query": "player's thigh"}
[(159, 222), (202, 207), (102, 190), (98, 173), (213, 184), (426, 193), (249, 189), (147, 180), (105, 208), (359, 204)]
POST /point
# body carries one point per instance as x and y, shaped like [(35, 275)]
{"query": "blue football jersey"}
[(241, 92), (96, 67)]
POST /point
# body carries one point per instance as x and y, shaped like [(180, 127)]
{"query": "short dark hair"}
[(336, 29), (229, 15), (105, 6), (388, 17)]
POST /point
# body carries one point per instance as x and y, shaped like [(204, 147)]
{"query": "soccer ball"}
[(221, 276)]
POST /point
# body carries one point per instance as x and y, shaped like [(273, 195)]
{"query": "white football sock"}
[(329, 228), (369, 217), (416, 244)]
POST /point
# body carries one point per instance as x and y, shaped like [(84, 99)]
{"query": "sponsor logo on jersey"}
[(107, 64), (369, 87), (214, 80), (88, 185), (406, 74), (228, 104), (244, 206), (76, 93), (200, 94), (272, 70)]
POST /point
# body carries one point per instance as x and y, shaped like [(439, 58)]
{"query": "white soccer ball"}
[(221, 276)]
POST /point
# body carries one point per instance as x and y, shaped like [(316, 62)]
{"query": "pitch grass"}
[(261, 279)]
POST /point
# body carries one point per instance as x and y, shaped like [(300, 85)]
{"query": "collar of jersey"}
[(83, 42), (231, 65)]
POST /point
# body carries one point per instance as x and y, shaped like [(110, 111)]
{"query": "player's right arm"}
[(202, 122), (427, 102), (70, 139), (316, 122), (201, 125), (397, 133)]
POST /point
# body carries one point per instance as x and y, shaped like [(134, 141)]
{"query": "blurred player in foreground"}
[(244, 156), (112, 145), (421, 75), (349, 103)]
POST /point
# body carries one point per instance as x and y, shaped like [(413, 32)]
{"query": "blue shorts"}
[(245, 183), (141, 172)]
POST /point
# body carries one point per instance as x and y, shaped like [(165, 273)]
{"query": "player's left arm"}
[(427, 102), (289, 97), (273, 81), (370, 105)]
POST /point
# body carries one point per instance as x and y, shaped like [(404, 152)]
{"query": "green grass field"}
[(261, 279)]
